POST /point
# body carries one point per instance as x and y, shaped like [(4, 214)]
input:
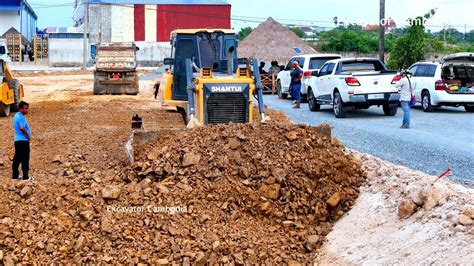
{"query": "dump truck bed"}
[(116, 57)]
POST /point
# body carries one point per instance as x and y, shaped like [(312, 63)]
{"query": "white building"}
[(18, 14)]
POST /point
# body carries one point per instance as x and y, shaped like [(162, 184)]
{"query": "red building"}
[(151, 20)]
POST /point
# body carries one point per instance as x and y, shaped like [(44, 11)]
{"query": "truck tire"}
[(338, 106), (469, 109), (98, 88), (14, 84), (312, 103), (390, 109), (280, 93), (426, 102), (4, 110)]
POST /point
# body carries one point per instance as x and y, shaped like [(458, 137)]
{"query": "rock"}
[(433, 196), (287, 223), (406, 208), (50, 248), (238, 258), (26, 191), (162, 262), (216, 245), (111, 193), (163, 189), (190, 159), (265, 206), (465, 220), (57, 159), (8, 261), (312, 239), (334, 199), (294, 263), (324, 129), (270, 191), (2, 163), (292, 136), (234, 143), (1, 255), (469, 212), (79, 243)]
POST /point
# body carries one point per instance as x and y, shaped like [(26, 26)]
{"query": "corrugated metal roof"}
[(160, 2)]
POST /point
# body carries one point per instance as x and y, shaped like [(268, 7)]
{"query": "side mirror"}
[(243, 61), (315, 73), (168, 61)]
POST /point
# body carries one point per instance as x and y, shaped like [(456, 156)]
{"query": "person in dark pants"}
[(22, 142), (295, 85)]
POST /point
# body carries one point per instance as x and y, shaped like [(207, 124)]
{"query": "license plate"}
[(375, 96)]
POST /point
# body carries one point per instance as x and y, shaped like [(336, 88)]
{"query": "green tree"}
[(244, 32), (350, 39), (299, 32), (411, 47)]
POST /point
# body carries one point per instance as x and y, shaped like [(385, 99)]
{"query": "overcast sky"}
[(306, 12)]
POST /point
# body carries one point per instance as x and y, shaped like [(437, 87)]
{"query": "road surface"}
[(436, 141)]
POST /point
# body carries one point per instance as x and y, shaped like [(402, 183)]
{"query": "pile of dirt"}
[(238, 193)]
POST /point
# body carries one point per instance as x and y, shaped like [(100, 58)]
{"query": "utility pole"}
[(382, 31), (86, 29)]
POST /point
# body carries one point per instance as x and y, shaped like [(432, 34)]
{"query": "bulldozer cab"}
[(206, 49)]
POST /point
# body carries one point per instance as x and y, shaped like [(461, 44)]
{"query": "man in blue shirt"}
[(22, 142), (296, 76)]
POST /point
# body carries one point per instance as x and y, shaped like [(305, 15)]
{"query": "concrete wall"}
[(100, 27), (122, 23), (9, 19), (152, 53), (65, 52)]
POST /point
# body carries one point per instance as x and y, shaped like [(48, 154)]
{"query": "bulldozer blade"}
[(193, 123), (139, 138)]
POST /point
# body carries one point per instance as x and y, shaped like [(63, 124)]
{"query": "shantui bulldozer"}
[(116, 69), (206, 82), (11, 91)]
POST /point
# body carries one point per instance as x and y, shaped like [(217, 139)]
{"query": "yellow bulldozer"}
[(11, 91), (207, 82)]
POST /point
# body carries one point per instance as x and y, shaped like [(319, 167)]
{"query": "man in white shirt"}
[(406, 91)]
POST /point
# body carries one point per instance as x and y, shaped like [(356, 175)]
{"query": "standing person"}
[(260, 68), (274, 69), (295, 85), (22, 142), (406, 92)]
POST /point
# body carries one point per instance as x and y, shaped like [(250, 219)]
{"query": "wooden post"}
[(35, 48), (382, 32)]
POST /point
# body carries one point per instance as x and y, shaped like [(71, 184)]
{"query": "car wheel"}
[(390, 109), (312, 103), (426, 102), (469, 109), (338, 106), (280, 93)]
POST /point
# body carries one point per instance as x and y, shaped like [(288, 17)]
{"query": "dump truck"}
[(207, 82), (116, 69), (11, 90)]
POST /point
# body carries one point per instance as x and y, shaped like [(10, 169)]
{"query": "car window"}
[(361, 66), (423, 71), (317, 62), (413, 69), (300, 61), (323, 70), (431, 71), (2, 49), (330, 68)]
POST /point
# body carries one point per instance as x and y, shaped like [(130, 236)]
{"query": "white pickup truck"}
[(354, 83), (308, 63)]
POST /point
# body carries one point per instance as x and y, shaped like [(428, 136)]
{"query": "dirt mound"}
[(217, 194)]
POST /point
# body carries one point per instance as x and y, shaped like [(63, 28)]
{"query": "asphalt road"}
[(435, 141)]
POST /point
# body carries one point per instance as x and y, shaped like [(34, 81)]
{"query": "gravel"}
[(436, 141)]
